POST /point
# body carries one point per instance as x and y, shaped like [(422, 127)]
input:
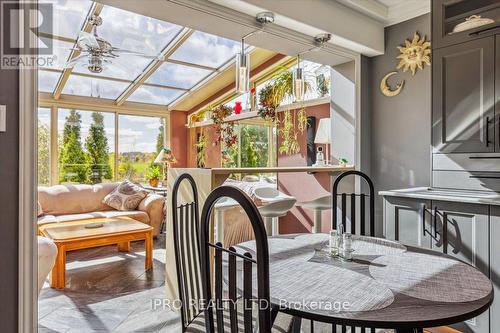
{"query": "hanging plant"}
[(201, 148), (302, 120), (224, 130), (323, 85), (289, 141)]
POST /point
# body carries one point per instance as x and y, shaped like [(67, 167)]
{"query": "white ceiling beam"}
[(87, 27), (181, 37), (372, 8)]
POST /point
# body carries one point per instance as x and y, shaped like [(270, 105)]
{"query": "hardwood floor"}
[(109, 291)]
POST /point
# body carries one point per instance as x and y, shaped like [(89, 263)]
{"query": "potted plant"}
[(153, 175)]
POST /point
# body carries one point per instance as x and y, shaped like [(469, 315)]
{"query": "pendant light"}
[(242, 70), (243, 58), (298, 83)]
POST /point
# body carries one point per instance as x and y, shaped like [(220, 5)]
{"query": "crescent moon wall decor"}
[(386, 89)]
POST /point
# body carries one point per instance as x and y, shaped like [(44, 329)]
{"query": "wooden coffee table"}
[(69, 236)]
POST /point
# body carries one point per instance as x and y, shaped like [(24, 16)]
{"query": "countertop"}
[(475, 197), (309, 169)]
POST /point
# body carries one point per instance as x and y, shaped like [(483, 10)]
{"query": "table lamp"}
[(165, 157), (323, 136)]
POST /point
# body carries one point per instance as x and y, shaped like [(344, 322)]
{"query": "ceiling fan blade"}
[(86, 40), (120, 52), (73, 62)]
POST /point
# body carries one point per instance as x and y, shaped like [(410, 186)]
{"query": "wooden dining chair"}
[(198, 260)]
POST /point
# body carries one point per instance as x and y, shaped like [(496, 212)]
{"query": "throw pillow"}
[(127, 196)]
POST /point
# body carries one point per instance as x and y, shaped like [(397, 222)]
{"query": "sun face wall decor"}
[(414, 54)]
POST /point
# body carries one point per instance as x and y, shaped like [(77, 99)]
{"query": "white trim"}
[(27, 294)]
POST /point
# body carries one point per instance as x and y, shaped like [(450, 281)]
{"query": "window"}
[(85, 146), (43, 135), (254, 148), (140, 139)]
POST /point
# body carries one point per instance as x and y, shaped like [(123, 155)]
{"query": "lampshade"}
[(165, 156), (323, 134), (298, 84)]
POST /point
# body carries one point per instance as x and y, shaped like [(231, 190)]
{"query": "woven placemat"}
[(430, 277)]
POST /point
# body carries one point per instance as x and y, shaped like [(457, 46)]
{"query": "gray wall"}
[(401, 125), (9, 94)]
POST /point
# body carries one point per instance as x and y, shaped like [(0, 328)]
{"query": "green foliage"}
[(97, 148), (254, 146), (160, 137), (126, 170), (153, 172), (323, 85), (73, 166), (43, 154), (201, 150)]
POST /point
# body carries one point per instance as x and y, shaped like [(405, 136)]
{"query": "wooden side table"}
[(70, 236)]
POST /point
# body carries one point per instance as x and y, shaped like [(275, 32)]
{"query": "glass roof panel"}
[(94, 87), (154, 95), (134, 32), (60, 53), (127, 68), (69, 16), (176, 75), (47, 81), (205, 49)]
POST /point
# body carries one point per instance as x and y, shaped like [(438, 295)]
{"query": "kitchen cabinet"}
[(463, 97), (408, 221), (495, 266), (458, 229)]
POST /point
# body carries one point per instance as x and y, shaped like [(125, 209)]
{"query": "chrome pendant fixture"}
[(298, 83), (242, 70), (243, 58)]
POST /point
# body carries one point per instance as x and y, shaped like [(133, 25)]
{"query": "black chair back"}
[(352, 197), (187, 251), (362, 218), (261, 261)]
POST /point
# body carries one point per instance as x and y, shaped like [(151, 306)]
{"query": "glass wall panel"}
[(43, 137), (86, 146), (140, 139)]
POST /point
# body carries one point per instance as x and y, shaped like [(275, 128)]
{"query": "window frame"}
[(54, 133)]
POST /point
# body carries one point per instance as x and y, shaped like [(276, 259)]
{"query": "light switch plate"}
[(3, 118)]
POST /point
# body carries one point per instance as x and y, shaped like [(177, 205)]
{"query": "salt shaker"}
[(347, 246), (334, 242)]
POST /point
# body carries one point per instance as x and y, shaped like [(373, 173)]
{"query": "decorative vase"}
[(154, 182), (237, 108)]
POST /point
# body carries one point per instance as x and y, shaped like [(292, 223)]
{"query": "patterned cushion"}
[(127, 196), (282, 323)]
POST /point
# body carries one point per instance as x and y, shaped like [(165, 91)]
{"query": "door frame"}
[(28, 244)]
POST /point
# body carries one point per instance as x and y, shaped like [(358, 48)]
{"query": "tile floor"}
[(109, 291)]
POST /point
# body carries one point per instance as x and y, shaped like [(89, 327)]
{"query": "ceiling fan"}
[(96, 52)]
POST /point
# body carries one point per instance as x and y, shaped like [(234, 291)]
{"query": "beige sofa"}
[(62, 203)]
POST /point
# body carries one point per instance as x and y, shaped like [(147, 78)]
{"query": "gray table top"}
[(386, 285)]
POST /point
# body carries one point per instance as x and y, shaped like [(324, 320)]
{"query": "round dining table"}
[(385, 285)]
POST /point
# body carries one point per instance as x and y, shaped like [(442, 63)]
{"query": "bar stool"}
[(318, 206), (278, 205)]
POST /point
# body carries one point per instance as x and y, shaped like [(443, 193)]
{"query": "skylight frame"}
[(135, 83)]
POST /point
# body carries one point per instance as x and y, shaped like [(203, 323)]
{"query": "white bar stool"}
[(278, 205), (318, 206)]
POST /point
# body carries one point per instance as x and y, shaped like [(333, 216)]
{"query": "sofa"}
[(63, 203), (47, 253)]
